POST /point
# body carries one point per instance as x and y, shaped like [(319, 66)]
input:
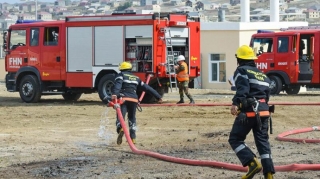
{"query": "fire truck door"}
[(51, 53), (286, 57), (34, 47)]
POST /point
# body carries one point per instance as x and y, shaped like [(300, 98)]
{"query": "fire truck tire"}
[(29, 89), (292, 89), (276, 85), (105, 85), (69, 96), (148, 98)]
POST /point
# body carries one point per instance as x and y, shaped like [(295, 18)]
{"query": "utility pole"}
[(36, 9)]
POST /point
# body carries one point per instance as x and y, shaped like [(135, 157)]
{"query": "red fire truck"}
[(289, 57), (81, 54)]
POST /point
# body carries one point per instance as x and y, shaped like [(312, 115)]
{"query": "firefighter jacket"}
[(127, 84), (182, 72), (251, 83)]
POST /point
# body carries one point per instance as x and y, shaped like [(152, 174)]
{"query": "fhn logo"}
[(262, 66), (15, 62)]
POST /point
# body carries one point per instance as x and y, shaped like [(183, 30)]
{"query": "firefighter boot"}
[(191, 101), (181, 101), (253, 168), (268, 175), (134, 141), (120, 135)]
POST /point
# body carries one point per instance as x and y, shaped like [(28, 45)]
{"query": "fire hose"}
[(282, 136), (223, 165), (229, 104)]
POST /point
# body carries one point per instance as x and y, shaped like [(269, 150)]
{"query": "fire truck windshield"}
[(262, 45), (17, 38)]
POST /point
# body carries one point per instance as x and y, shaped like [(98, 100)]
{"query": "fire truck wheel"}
[(29, 89), (148, 98), (276, 85), (292, 89), (70, 96), (105, 85)]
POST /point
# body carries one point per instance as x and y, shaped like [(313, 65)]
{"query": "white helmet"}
[(180, 58)]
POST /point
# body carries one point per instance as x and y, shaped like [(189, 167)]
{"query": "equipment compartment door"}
[(79, 49), (108, 45), (51, 53), (139, 31)]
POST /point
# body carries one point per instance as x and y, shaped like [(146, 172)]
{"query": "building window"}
[(217, 68)]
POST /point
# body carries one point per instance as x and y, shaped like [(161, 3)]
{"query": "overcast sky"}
[(19, 1)]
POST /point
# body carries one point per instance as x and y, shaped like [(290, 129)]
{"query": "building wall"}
[(218, 42)]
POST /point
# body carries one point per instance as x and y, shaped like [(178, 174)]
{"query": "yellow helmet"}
[(125, 66), (246, 53)]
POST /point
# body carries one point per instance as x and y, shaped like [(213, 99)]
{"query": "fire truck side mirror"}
[(4, 46)]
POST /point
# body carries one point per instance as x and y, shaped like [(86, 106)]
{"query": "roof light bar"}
[(27, 21), (264, 31)]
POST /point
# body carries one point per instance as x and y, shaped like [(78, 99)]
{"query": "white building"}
[(45, 16)]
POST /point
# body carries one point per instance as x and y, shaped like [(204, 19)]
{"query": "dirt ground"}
[(58, 139)]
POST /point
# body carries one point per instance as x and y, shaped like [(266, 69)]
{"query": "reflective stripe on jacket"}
[(183, 74)]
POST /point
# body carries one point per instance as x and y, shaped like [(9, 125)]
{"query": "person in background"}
[(183, 79), (125, 87), (250, 106)]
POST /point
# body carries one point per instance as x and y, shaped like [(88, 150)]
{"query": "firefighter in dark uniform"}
[(250, 106), (125, 87)]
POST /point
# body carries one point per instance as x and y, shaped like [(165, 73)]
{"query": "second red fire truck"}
[(291, 57), (81, 54)]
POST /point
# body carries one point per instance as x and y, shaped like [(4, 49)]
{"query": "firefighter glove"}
[(160, 101), (114, 97)]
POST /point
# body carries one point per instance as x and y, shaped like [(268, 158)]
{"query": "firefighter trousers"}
[(238, 135), (130, 108), (183, 88)]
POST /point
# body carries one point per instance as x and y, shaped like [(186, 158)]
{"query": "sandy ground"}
[(58, 139)]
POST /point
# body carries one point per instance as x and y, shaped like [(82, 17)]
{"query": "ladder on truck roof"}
[(170, 70), (130, 15)]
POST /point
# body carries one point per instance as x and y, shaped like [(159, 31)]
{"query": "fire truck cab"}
[(290, 58), (81, 54)]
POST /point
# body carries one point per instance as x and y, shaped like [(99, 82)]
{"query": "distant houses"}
[(59, 9)]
